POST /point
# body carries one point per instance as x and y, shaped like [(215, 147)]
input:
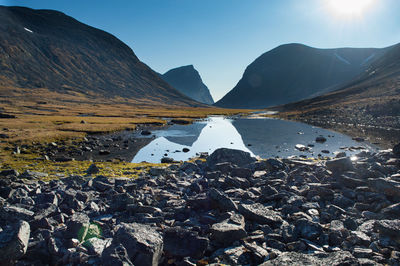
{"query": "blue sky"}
[(221, 37)]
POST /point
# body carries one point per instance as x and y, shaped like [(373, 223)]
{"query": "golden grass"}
[(46, 116)]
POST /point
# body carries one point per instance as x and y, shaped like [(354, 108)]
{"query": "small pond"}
[(263, 137)]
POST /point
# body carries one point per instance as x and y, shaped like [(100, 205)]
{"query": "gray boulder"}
[(10, 213), (33, 175), (321, 259), (76, 224), (93, 169), (221, 200), (143, 243), (390, 228), (386, 186), (184, 243), (260, 214), (237, 157), (339, 165), (307, 229), (229, 230), (14, 242), (115, 255)]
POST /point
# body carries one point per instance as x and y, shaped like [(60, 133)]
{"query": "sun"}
[(349, 8)]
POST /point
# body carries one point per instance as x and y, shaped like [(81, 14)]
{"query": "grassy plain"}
[(44, 116)]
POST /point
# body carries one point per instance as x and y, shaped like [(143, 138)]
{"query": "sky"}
[(222, 37)]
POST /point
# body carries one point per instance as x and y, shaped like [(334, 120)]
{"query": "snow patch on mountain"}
[(28, 30), (342, 59), (367, 59)]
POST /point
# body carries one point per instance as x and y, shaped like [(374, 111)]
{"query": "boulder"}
[(386, 186), (260, 214), (143, 243), (93, 169), (339, 165), (11, 213), (114, 255), (229, 230), (390, 228), (33, 175), (350, 182), (14, 242), (184, 243), (307, 229), (96, 245), (320, 139), (392, 211), (396, 150), (75, 224), (145, 132), (237, 157), (9, 172), (319, 259), (222, 201), (167, 160)]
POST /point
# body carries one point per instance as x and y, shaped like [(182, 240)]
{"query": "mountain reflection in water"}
[(215, 133), (261, 137)]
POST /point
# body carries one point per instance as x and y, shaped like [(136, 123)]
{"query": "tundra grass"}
[(56, 170), (44, 116)]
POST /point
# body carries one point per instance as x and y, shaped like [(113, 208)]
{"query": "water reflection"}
[(216, 132), (261, 137)]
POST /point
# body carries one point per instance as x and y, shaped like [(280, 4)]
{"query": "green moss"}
[(34, 162)]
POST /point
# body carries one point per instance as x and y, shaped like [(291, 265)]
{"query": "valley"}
[(105, 161)]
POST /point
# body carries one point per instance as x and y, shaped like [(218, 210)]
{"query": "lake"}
[(262, 137)]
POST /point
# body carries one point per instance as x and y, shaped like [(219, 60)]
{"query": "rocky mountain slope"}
[(48, 49), (293, 72), (187, 80), (371, 102)]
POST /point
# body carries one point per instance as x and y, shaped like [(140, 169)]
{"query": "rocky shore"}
[(378, 128), (227, 209)]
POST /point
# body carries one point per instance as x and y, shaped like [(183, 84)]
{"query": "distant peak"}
[(182, 68)]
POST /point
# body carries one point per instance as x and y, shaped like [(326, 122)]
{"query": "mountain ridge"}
[(292, 72), (48, 49)]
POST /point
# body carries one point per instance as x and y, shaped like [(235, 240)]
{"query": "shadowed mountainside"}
[(371, 102), (48, 49), (293, 72), (187, 80)]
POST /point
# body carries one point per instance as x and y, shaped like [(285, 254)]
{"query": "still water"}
[(262, 137)]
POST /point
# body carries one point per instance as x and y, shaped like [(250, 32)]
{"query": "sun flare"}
[(350, 7)]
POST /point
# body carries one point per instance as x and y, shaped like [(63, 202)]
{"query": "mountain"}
[(377, 87), (48, 49), (187, 80), (293, 72), (368, 105)]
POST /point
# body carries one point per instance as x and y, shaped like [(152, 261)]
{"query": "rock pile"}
[(228, 209)]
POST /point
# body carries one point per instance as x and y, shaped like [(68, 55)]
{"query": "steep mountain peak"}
[(187, 80)]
